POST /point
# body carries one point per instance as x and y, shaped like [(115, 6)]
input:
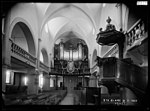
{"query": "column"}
[(77, 80), (33, 82), (6, 51), (4, 69), (121, 16), (38, 54), (92, 81), (35, 74), (56, 82), (46, 85), (83, 81), (63, 82), (119, 6), (121, 49), (121, 43)]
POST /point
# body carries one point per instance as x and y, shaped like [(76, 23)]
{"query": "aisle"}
[(68, 100)]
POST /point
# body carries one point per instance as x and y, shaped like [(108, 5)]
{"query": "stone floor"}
[(68, 100)]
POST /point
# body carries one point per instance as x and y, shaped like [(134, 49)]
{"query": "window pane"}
[(7, 76)]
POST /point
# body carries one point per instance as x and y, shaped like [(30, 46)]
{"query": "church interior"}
[(74, 54)]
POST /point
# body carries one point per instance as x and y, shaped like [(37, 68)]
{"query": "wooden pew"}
[(46, 98)]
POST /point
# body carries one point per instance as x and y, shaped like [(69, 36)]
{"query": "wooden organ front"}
[(71, 61), (71, 54)]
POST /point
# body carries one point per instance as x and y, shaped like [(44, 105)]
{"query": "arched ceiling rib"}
[(69, 11), (66, 29), (54, 25), (68, 35), (77, 24), (42, 7)]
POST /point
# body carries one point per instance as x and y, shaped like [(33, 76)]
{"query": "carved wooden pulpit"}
[(111, 36)]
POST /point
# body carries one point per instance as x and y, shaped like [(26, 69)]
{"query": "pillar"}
[(56, 82), (46, 85), (119, 6), (77, 79), (121, 47), (33, 82), (34, 74), (38, 55), (4, 69), (63, 82), (6, 51), (120, 51), (83, 81), (92, 81)]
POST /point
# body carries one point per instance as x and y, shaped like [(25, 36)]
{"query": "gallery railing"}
[(21, 52), (135, 33), (45, 67), (64, 71)]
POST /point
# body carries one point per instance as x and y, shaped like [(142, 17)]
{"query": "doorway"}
[(70, 82)]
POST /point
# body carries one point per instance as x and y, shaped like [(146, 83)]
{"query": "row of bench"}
[(45, 98), (12, 89)]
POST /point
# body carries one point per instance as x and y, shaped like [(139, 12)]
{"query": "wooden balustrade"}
[(21, 52), (135, 33), (64, 71)]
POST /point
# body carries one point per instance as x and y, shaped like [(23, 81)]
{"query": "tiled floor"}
[(68, 100)]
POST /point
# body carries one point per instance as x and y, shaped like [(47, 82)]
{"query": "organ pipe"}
[(71, 54), (61, 50)]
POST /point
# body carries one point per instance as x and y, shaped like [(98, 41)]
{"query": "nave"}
[(65, 54)]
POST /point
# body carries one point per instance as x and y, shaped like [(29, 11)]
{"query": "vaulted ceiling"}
[(81, 18), (51, 22)]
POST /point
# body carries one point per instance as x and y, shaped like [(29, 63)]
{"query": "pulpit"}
[(111, 36)]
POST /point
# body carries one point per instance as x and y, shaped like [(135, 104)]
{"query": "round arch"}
[(26, 28), (45, 56), (94, 56)]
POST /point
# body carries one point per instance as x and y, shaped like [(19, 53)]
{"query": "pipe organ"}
[(71, 54), (71, 59)]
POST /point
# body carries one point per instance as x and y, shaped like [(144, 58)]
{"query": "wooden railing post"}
[(21, 52), (135, 33)]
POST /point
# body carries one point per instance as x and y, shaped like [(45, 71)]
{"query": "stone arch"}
[(45, 56), (28, 33), (94, 57)]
